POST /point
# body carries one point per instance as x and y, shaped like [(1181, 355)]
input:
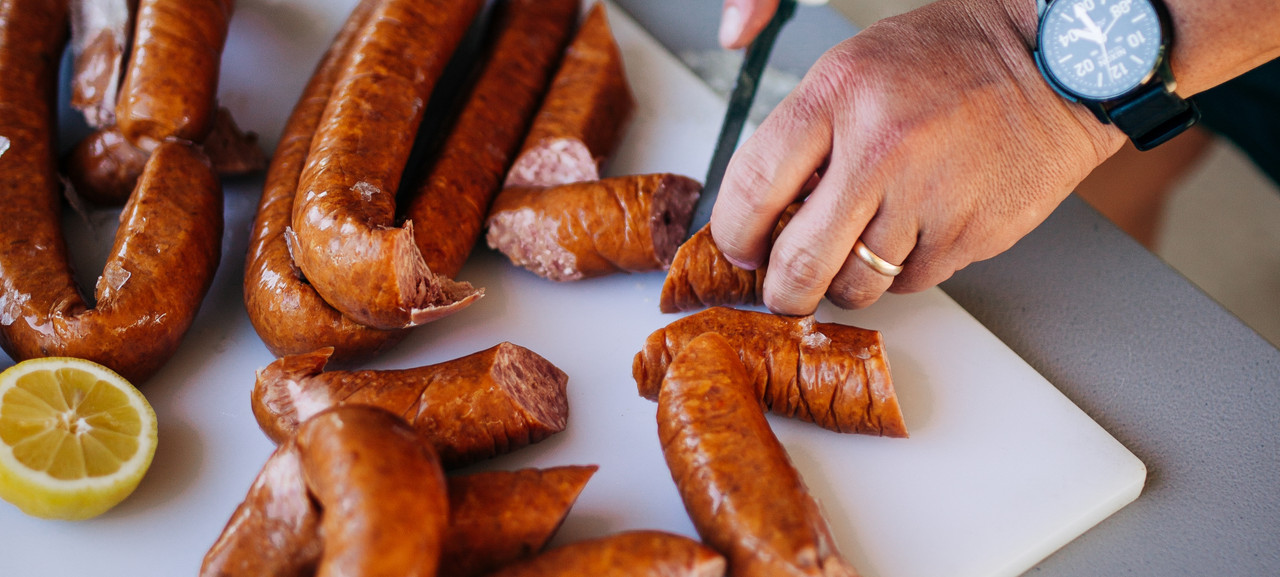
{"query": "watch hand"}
[(1107, 32), (1084, 17)]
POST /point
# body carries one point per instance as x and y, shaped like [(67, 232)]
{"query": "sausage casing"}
[(654, 553), (585, 113), (343, 236), (99, 40), (474, 407), (449, 206), (737, 482), (171, 83), (836, 376), (700, 276), (286, 311), (589, 229)]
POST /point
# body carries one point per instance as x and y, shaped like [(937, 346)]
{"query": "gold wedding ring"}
[(874, 261)]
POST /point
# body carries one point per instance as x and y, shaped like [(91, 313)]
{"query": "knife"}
[(735, 117)]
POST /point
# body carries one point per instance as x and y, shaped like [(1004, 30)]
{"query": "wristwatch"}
[(1112, 56)]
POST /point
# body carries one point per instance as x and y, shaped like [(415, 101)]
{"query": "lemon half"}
[(75, 437)]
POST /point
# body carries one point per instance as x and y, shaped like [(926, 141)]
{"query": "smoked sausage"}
[(475, 407), (171, 83), (654, 553), (835, 376), (99, 44), (589, 229), (343, 236), (700, 276), (449, 206), (585, 113), (288, 314), (737, 482)]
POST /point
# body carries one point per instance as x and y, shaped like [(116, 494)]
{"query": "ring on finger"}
[(874, 261)]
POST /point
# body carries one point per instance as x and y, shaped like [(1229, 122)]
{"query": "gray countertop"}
[(1177, 379)]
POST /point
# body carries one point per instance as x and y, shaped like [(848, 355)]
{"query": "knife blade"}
[(735, 116)]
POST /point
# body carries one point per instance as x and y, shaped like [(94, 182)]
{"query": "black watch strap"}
[(1154, 116)]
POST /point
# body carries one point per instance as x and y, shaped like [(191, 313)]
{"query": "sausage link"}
[(585, 113), (700, 276), (275, 532), (99, 43), (288, 314), (171, 82), (836, 376), (495, 518), (163, 261), (475, 407), (652, 553), (382, 492), (343, 238), (589, 229), (500, 517), (737, 482), (449, 206)]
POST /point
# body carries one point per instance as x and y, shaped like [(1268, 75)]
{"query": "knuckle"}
[(850, 294), (798, 270)]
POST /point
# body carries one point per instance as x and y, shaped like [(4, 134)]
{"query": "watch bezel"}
[(1159, 71)]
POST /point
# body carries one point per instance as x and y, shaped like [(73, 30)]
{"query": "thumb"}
[(742, 20)]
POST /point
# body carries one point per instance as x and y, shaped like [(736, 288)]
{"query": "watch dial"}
[(1100, 49)]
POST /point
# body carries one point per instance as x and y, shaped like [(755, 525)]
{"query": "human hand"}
[(937, 144), (742, 20)]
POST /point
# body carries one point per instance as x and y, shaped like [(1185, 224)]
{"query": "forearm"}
[(1217, 40)]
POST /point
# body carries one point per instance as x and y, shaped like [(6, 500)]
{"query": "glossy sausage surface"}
[(589, 229), (700, 276), (736, 480), (649, 553), (343, 235), (474, 407), (100, 33), (836, 376), (585, 114)]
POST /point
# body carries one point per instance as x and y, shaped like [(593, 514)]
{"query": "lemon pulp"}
[(75, 437)]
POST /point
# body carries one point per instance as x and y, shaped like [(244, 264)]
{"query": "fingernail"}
[(740, 264), (730, 26)]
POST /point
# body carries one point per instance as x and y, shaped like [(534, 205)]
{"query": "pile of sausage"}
[(158, 125)]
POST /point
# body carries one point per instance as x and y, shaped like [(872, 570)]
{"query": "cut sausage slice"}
[(628, 553), (585, 114), (475, 407), (99, 44), (590, 229), (836, 376), (737, 482)]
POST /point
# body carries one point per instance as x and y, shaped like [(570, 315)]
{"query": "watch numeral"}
[(1136, 39), (1121, 8), (1084, 67), (1117, 70)]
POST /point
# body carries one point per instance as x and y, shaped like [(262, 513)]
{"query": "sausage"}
[(495, 518), (737, 482), (344, 209), (500, 517), (475, 407), (104, 166), (700, 276), (585, 113), (836, 376), (288, 314), (629, 553), (382, 492), (171, 82), (449, 206), (275, 532), (590, 229), (99, 42), (163, 261)]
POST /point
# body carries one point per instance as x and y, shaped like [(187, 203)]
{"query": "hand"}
[(937, 143), (742, 20)]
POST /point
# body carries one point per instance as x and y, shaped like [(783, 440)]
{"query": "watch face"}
[(1100, 49)]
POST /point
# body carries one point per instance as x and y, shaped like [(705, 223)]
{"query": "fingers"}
[(858, 285), (769, 172), (742, 21)]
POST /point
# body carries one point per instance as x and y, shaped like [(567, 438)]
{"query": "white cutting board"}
[(999, 472)]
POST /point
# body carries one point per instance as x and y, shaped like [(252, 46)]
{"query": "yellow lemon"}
[(75, 437)]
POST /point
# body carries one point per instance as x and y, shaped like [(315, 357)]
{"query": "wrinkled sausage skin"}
[(343, 235), (590, 229), (836, 376), (700, 276), (286, 311), (475, 407), (737, 482), (651, 553), (585, 113), (449, 206)]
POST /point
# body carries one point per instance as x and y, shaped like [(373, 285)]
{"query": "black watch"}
[(1113, 57)]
